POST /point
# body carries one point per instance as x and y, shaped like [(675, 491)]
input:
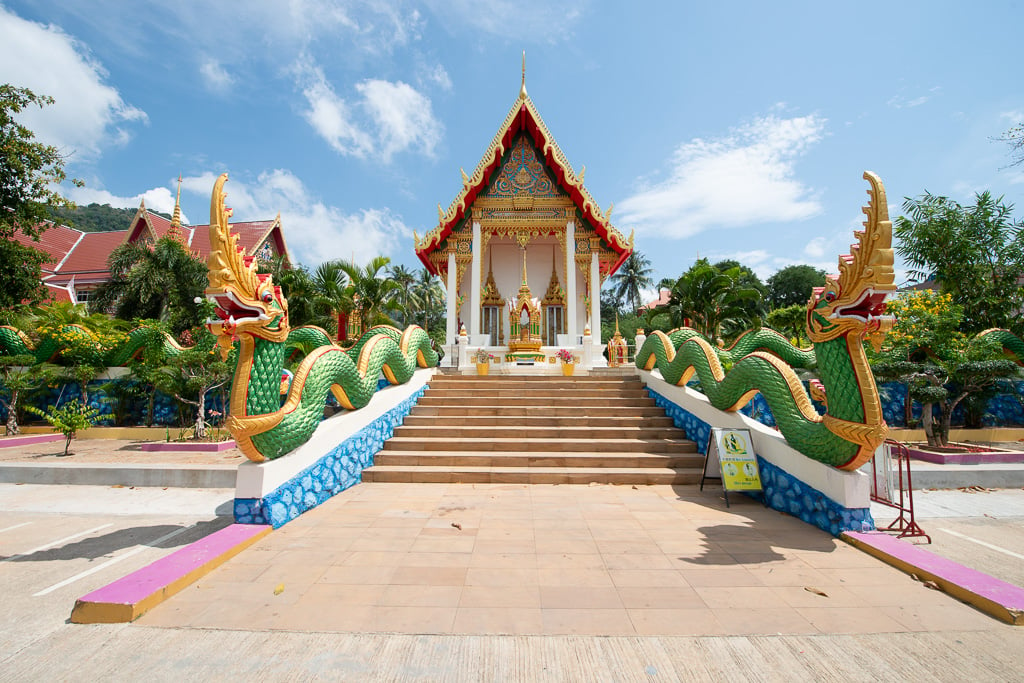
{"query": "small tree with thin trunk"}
[(18, 375), (193, 372)]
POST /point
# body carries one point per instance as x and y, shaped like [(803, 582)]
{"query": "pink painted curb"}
[(189, 447), (998, 598), (28, 439), (131, 596)]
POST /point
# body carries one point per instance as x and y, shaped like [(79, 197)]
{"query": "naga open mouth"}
[(230, 311), (870, 305)]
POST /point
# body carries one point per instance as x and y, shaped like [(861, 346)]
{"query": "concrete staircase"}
[(539, 430)]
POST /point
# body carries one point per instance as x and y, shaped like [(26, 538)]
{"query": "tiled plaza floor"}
[(589, 560)]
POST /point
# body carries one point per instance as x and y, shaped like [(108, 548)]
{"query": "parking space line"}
[(57, 542), (16, 526), (135, 551), (987, 545)]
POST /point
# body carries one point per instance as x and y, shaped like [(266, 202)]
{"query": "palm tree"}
[(159, 282), (633, 276), (427, 295), (712, 301), (298, 288), (373, 296), (332, 297), (405, 279)]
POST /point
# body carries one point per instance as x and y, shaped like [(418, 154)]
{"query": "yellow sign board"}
[(736, 459)]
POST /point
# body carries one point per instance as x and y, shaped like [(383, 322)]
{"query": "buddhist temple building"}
[(77, 262), (523, 248)]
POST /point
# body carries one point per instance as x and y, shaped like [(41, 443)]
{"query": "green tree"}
[(69, 419), (428, 301), (161, 281), (83, 340), (18, 375), (374, 297), (332, 297), (792, 285), (941, 365), (189, 375), (713, 301), (298, 288), (633, 276), (29, 172), (974, 253), (405, 295), (747, 279), (790, 321)]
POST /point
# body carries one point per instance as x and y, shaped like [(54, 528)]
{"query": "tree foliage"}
[(790, 321), (68, 419), (98, 217), (1015, 139), (19, 375), (713, 301), (941, 365), (975, 254), (792, 285), (633, 276), (20, 274), (159, 281)]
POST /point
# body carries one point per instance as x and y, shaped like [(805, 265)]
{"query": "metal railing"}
[(893, 488)]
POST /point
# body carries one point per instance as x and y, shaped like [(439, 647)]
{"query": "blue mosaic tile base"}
[(332, 474), (782, 491)]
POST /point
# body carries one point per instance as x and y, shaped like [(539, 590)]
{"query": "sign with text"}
[(734, 451)]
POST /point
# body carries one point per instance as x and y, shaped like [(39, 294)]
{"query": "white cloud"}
[(315, 231), (438, 76), (157, 199), (402, 116), (387, 119), (745, 178), (88, 115), (215, 77), (902, 101), (511, 19)]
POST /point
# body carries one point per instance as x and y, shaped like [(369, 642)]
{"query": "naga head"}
[(247, 303), (853, 302)]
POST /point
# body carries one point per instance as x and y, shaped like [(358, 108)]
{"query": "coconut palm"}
[(427, 296), (713, 301), (632, 276), (374, 297), (332, 297), (405, 279)]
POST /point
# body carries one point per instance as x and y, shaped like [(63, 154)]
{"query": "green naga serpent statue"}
[(251, 310), (843, 314), (14, 342)]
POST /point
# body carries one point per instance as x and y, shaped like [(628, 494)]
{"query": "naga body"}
[(253, 313), (841, 316)]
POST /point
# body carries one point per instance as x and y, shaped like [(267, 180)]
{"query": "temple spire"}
[(175, 232), (522, 88)]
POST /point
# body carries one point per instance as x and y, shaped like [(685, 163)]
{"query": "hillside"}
[(98, 217)]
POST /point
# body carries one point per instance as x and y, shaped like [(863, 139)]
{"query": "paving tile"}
[(394, 619), (573, 577), (429, 576), (503, 560), (661, 597), (434, 544), (627, 561), (334, 595), (496, 576), (850, 619), (569, 561), (500, 596), (647, 577), (579, 597), (761, 621), (675, 622), (421, 595), (508, 620), (608, 622), (357, 575), (950, 616), (739, 597), (436, 559), (835, 596), (725, 576), (374, 558)]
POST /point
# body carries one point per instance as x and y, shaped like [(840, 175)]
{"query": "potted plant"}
[(565, 355), (483, 360)]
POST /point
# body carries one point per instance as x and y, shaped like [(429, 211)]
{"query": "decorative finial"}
[(583, 172), (522, 88), (524, 265), (176, 217), (465, 178)]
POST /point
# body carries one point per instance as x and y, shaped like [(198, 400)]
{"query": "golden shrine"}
[(525, 215)]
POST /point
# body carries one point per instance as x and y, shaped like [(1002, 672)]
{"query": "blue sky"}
[(725, 130)]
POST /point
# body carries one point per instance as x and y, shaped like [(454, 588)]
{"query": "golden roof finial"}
[(524, 265), (522, 88), (176, 217)]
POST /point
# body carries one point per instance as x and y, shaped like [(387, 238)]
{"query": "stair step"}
[(532, 475), (416, 420), (520, 432), (547, 411), (611, 394), (543, 445), (520, 400), (456, 459)]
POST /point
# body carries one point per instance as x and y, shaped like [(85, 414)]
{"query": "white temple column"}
[(452, 326), (595, 297), (476, 283), (595, 309), (571, 304)]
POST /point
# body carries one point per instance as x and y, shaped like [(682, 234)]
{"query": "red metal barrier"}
[(892, 487)]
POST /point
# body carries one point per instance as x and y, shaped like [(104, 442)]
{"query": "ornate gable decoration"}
[(522, 175), (524, 119)]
